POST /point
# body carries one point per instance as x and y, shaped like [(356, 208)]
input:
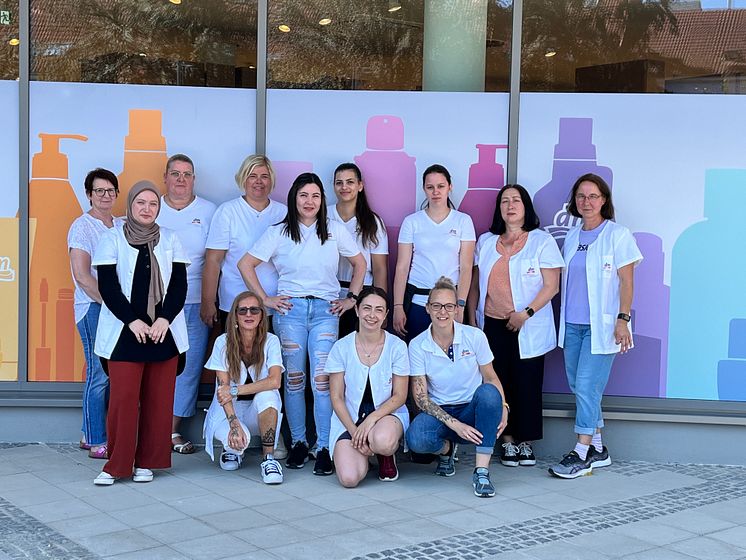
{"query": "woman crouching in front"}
[(368, 375), (248, 364)]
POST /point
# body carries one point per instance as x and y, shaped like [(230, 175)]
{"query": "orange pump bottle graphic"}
[(144, 154), (53, 206)]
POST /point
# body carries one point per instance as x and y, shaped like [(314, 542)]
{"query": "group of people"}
[(299, 295)]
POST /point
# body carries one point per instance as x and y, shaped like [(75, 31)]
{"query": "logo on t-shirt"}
[(582, 247), (196, 221), (466, 352), (607, 267), (531, 271), (453, 232)]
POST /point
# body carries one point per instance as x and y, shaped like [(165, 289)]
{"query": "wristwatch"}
[(530, 312), (352, 296), (234, 390), (461, 303), (624, 317)]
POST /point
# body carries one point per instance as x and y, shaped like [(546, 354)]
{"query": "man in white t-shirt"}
[(189, 216)]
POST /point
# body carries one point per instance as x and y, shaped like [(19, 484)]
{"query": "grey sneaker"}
[(509, 454), (480, 480), (571, 466), (599, 459), (446, 464)]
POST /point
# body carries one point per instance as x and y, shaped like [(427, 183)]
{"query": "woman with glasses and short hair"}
[(248, 364), (102, 189), (454, 384)]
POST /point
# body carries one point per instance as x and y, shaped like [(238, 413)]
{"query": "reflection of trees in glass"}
[(8, 31), (586, 33), (199, 42)]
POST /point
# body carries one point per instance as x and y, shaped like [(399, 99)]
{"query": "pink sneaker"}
[(387, 470), (101, 453)]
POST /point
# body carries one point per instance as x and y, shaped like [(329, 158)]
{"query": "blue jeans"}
[(426, 434), (307, 331), (96, 391), (187, 384), (587, 375)]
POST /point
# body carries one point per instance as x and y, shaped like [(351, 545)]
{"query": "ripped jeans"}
[(309, 329)]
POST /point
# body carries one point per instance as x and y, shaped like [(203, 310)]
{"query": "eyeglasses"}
[(591, 197), (253, 310), (435, 306), (178, 174), (101, 192)]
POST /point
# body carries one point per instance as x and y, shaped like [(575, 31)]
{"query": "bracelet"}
[(506, 405), (399, 304), (231, 418)]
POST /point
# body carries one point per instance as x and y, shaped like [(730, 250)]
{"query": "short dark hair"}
[(437, 168), (179, 157), (291, 223), (100, 173), (530, 219), (607, 210)]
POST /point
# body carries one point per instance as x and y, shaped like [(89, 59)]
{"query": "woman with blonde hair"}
[(248, 363)]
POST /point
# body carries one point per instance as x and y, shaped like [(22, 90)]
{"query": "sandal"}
[(186, 448), (101, 452)]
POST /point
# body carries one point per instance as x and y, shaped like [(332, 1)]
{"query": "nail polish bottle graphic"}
[(53, 205), (732, 372), (389, 175), (144, 154), (486, 178), (574, 155), (707, 272)]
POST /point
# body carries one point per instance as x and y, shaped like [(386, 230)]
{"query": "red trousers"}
[(138, 424)]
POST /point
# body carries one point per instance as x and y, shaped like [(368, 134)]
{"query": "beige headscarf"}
[(137, 233)]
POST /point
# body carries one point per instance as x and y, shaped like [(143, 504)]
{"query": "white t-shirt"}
[(382, 248), (235, 228), (272, 357), (191, 225), (451, 382), (84, 234), (435, 247), (307, 268)]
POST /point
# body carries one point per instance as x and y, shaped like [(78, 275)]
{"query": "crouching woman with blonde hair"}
[(248, 364)]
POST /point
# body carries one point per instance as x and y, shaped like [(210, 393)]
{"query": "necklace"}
[(365, 351)]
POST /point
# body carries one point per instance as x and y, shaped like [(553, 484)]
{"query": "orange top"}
[(499, 301)]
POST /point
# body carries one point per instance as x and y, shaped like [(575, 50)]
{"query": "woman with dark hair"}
[(369, 373), (597, 290), (248, 363), (142, 281), (305, 249), (102, 189), (354, 213), (438, 240), (516, 274)]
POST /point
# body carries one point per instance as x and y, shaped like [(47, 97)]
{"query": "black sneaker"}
[(324, 465), (298, 455), (571, 466), (599, 458), (509, 454), (526, 457)]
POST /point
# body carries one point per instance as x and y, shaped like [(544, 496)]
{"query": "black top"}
[(128, 349), (367, 402)]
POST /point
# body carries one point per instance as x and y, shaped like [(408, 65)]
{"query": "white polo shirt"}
[(435, 247), (307, 268), (191, 225), (381, 248), (451, 382), (235, 228), (343, 359)]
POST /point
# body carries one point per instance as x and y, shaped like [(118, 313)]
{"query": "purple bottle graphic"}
[(574, 155), (389, 174), (486, 178)]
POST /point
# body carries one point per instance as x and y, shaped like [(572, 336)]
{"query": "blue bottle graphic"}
[(732, 372)]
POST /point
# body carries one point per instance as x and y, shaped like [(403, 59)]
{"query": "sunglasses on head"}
[(253, 310)]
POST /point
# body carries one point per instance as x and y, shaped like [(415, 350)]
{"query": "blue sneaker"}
[(446, 463), (480, 480), (571, 466)]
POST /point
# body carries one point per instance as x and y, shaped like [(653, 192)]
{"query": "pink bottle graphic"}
[(389, 174), (486, 178)]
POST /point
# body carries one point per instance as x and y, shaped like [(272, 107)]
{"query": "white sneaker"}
[(142, 475), (271, 471), (230, 461), (104, 479), (281, 452)]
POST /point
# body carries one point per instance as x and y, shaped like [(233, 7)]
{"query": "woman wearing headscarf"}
[(141, 334)]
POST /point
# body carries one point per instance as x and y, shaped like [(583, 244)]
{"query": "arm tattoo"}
[(268, 438), (234, 431), (427, 406), (231, 418)]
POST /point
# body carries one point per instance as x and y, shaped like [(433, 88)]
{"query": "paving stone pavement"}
[(49, 508)]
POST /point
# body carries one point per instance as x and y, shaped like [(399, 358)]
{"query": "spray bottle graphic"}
[(54, 206), (389, 174), (574, 155), (144, 154), (486, 178)]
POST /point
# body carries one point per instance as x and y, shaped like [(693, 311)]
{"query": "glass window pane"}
[(655, 46), (389, 45), (9, 40), (194, 43)]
